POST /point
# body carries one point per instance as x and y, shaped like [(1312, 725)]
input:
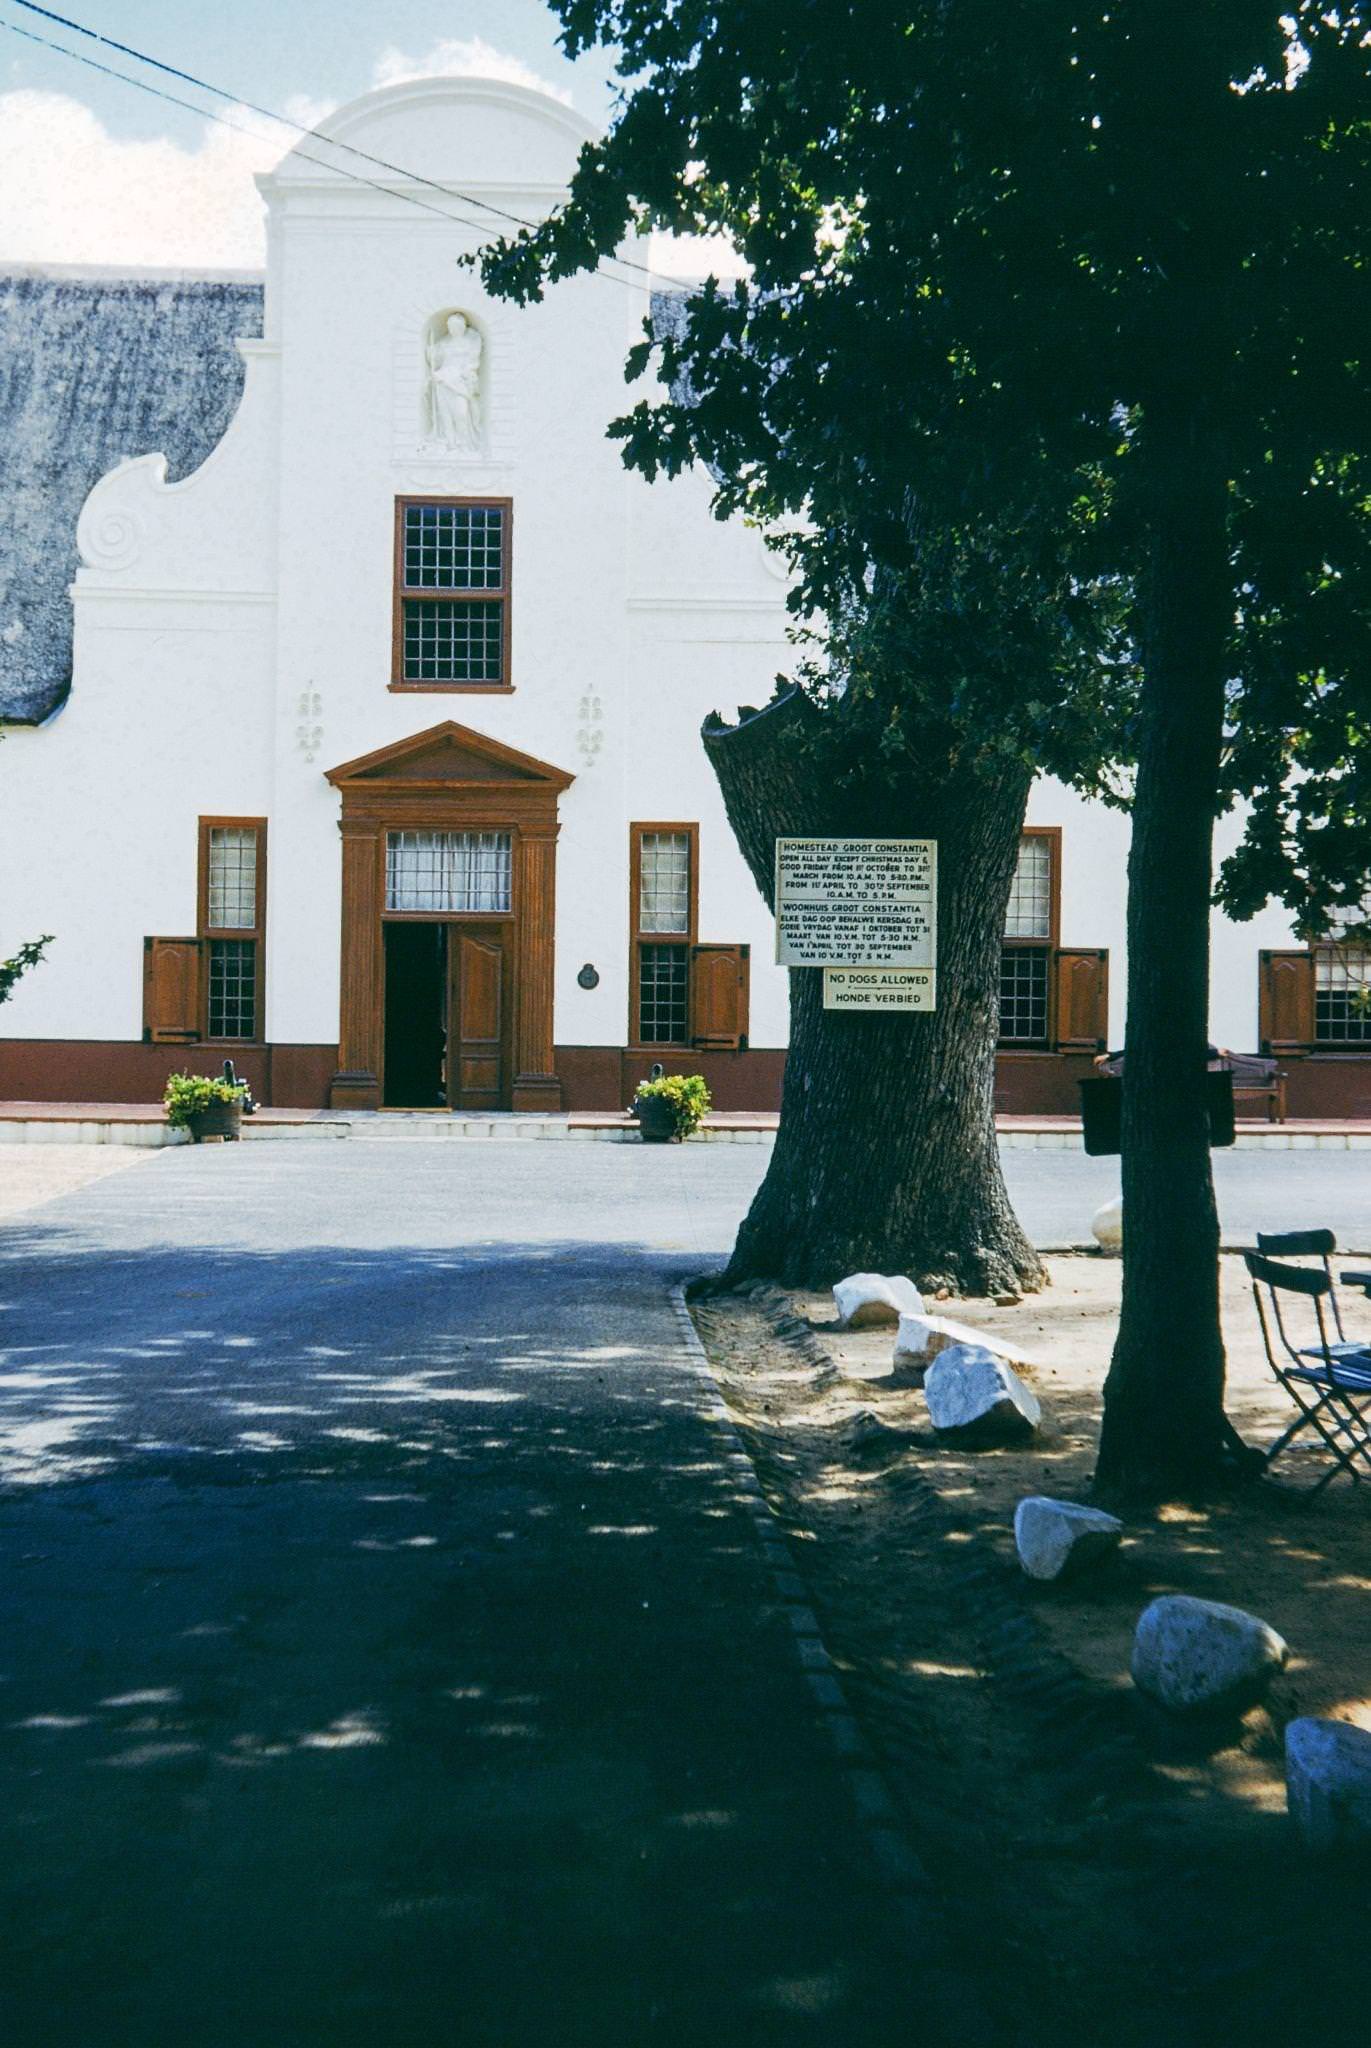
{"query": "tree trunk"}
[(886, 1158), (1165, 1434)]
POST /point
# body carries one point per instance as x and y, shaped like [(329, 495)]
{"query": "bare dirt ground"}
[(1082, 1837), (30, 1174)]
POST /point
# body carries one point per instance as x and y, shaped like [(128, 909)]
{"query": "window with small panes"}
[(452, 592), (662, 932)]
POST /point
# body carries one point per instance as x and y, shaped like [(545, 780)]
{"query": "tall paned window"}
[(1030, 933), (233, 895), (452, 622), (662, 932), (1342, 994)]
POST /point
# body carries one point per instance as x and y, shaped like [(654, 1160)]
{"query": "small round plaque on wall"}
[(588, 977)]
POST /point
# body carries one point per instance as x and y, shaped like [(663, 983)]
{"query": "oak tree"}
[(1052, 353)]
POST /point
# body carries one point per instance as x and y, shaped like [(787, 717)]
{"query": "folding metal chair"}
[(1319, 1244), (1329, 1382)]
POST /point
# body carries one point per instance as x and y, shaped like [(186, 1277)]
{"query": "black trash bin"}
[(1102, 1107)]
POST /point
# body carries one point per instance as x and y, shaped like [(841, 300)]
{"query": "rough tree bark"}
[(886, 1156), (1165, 1434)]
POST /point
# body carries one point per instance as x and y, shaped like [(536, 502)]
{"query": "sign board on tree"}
[(861, 903), (880, 988)]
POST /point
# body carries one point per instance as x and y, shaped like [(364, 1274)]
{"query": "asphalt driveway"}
[(386, 1655)]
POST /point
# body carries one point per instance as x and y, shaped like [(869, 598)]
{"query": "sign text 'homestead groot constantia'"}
[(865, 911)]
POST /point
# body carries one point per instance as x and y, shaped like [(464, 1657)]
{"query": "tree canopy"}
[(987, 245)]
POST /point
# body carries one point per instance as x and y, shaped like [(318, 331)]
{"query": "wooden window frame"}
[(1051, 943), (258, 933), (1342, 1047), (638, 938), (407, 594)]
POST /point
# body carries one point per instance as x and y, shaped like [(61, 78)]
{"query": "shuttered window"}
[(1052, 997)]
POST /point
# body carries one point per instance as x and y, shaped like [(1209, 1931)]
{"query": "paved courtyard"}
[(387, 1654)]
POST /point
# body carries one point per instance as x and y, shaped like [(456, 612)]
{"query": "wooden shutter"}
[(1082, 999), (1285, 1004), (171, 990), (719, 980)]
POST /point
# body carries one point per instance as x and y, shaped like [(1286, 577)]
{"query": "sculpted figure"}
[(454, 371)]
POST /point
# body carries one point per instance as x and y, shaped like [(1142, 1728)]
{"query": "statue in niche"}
[(454, 382)]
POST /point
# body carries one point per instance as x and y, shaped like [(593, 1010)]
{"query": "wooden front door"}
[(478, 1011)]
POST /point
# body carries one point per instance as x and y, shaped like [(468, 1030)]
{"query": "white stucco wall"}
[(233, 630)]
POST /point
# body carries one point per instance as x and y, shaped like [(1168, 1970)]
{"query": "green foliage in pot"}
[(686, 1094), (189, 1095)]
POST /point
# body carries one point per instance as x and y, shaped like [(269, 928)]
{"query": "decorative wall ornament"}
[(309, 733), (122, 513), (590, 735), (452, 392), (453, 352)]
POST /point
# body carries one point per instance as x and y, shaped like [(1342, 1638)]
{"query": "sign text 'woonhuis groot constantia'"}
[(865, 911)]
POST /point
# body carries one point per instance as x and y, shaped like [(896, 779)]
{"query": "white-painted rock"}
[(1328, 1783), (920, 1338), (1194, 1655), (1055, 1538), (971, 1391), (865, 1299), (1107, 1227)]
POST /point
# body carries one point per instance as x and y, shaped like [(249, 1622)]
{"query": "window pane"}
[(448, 871), (663, 995), (454, 547), (232, 878), (454, 642), (1023, 995), (1030, 896), (233, 988), (664, 882), (1342, 994)]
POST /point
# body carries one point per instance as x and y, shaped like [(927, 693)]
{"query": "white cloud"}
[(463, 57), (71, 192)]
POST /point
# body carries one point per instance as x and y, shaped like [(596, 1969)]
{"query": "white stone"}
[(865, 1299), (1055, 1538), (968, 1388), (1193, 1654), (920, 1338), (1328, 1783), (1107, 1226)]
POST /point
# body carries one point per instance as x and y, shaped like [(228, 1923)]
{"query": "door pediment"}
[(449, 757)]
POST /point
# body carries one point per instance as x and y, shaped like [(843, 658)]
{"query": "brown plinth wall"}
[(593, 1077), (114, 1070), (605, 1076), (1040, 1083)]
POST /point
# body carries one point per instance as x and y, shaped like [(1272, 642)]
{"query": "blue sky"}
[(268, 50), (95, 171)]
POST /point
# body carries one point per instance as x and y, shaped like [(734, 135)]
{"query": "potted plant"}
[(204, 1107), (669, 1106)]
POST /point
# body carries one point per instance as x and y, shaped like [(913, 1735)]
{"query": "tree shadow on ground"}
[(388, 1655)]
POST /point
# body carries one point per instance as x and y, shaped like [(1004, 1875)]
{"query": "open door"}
[(478, 1015)]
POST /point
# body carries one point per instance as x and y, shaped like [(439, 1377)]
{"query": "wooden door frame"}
[(451, 779)]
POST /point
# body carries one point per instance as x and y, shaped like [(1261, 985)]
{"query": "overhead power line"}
[(283, 121)]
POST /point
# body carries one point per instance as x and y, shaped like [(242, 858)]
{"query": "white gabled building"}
[(364, 748)]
